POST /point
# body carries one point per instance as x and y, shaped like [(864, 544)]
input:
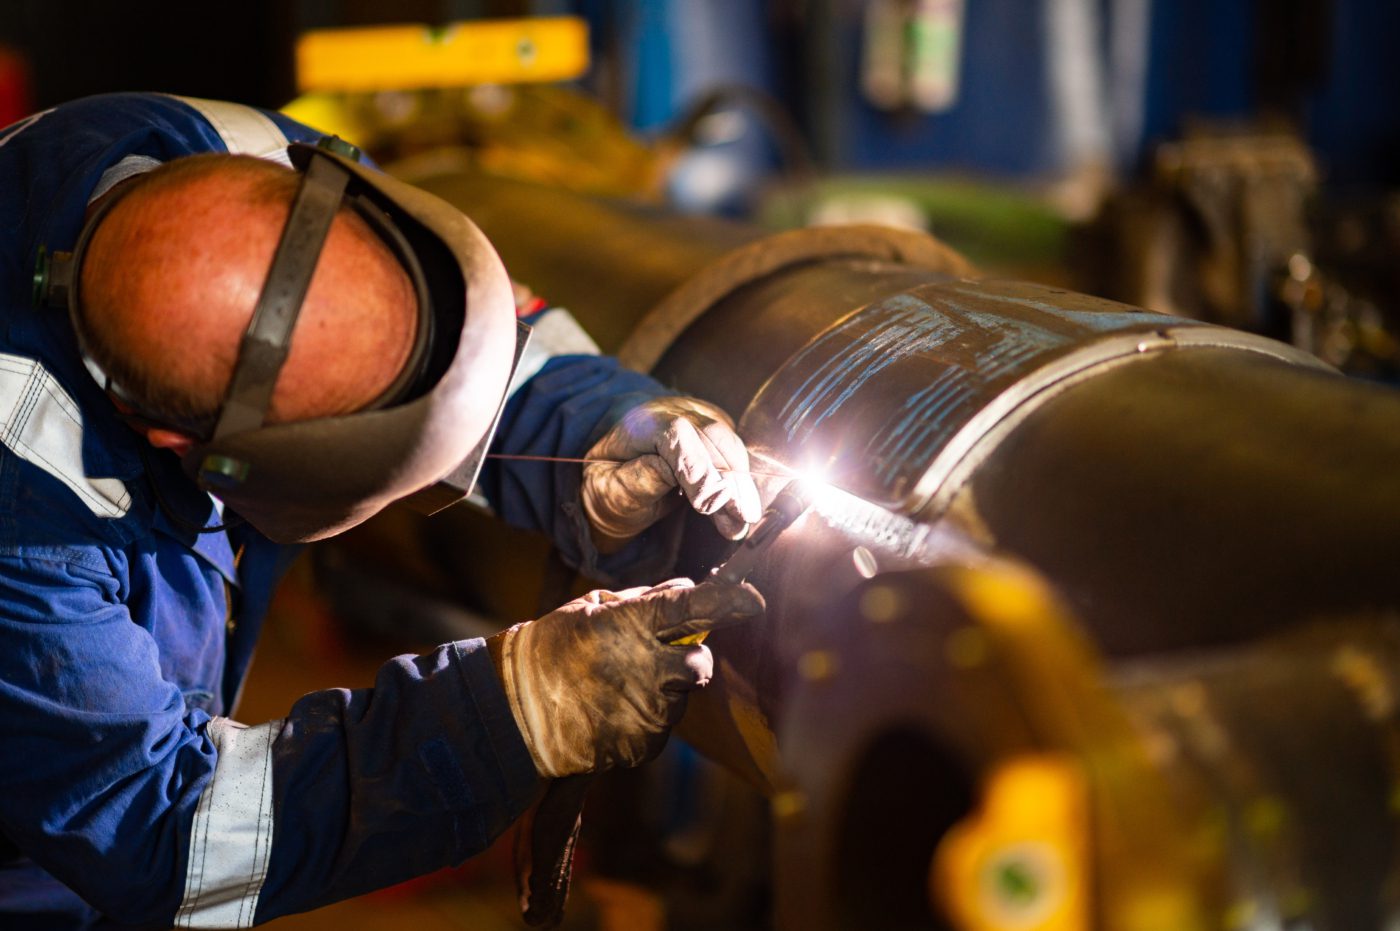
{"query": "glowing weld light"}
[(816, 486), (876, 528), (828, 500)]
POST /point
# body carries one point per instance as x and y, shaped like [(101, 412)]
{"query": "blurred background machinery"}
[(1096, 624)]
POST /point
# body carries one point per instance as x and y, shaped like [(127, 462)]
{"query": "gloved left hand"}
[(662, 445), (598, 683)]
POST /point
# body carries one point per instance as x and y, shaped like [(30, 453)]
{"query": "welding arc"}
[(521, 458)]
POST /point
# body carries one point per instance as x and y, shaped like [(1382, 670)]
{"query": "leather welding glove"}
[(664, 444), (598, 683)]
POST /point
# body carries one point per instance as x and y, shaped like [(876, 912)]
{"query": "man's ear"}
[(173, 440), (159, 437)]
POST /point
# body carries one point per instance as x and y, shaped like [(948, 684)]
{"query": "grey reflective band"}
[(555, 333), (243, 129), (124, 170), (42, 424), (231, 837), (269, 335)]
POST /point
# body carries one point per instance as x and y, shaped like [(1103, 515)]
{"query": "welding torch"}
[(777, 517), (785, 508), (554, 829)]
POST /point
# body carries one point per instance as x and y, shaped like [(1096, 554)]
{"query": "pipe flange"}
[(656, 331)]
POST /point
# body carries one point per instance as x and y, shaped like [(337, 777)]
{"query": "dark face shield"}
[(424, 440)]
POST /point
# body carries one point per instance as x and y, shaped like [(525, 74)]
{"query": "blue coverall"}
[(127, 796)]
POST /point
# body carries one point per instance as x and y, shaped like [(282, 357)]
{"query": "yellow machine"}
[(486, 95)]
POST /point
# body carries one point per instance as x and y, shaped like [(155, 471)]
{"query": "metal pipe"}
[(1190, 497)]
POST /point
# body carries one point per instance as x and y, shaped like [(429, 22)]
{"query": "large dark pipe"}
[(1199, 501)]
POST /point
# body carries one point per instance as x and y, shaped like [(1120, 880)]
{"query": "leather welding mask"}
[(422, 442)]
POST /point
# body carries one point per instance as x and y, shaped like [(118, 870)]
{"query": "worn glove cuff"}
[(517, 688)]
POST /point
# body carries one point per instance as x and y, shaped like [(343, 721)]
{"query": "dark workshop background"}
[(1327, 63), (1057, 154)]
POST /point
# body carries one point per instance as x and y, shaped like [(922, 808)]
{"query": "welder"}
[(222, 340)]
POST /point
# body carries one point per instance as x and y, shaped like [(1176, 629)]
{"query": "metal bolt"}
[(338, 146), (53, 278), (865, 562), (223, 471), (1022, 885), (1017, 883), (41, 276)]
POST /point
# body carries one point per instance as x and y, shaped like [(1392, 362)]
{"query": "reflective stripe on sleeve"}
[(129, 167), (231, 839), (245, 131), (19, 126), (42, 424), (553, 333)]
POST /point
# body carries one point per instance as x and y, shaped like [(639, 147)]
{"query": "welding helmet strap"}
[(267, 340)]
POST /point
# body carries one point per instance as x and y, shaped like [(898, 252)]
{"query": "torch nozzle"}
[(785, 508)]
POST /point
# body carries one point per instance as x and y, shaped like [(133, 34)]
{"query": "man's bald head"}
[(174, 270)]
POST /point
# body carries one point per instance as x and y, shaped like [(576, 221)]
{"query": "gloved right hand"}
[(598, 683), (658, 447)]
